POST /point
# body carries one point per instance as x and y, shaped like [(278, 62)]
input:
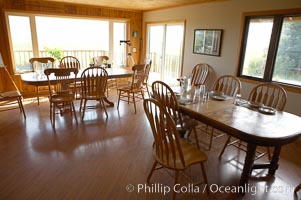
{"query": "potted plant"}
[(56, 53)]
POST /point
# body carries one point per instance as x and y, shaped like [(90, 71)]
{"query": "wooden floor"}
[(100, 159)]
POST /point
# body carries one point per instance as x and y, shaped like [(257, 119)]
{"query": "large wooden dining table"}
[(33, 78), (250, 126)]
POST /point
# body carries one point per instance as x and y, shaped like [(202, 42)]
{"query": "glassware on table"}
[(197, 95), (237, 100)]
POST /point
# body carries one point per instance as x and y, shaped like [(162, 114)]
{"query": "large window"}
[(271, 49), (40, 36)]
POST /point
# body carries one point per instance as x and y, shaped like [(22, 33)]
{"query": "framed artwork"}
[(207, 41)]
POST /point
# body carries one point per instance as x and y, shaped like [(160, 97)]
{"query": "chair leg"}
[(175, 182), (21, 106), (53, 115), (73, 110), (205, 177), (37, 88), (84, 109), (118, 100), (104, 106), (226, 144), (211, 138), (134, 101), (151, 172), (80, 105)]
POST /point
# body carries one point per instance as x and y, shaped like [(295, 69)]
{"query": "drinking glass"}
[(237, 99)]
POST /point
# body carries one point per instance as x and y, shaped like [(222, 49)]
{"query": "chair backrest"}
[(270, 94), (146, 72), (228, 84), (94, 82), (165, 95), (167, 147), (69, 62), (41, 63), (99, 60), (60, 80), (138, 76), (199, 74)]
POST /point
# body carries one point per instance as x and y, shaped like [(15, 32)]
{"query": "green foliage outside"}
[(287, 66), (56, 53), (288, 62)]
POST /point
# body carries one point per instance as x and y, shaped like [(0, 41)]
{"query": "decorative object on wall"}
[(207, 41)]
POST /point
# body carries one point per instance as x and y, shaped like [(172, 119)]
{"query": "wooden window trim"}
[(245, 17)]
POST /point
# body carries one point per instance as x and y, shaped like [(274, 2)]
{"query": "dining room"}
[(111, 152)]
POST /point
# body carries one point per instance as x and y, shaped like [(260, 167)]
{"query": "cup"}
[(197, 95), (237, 99)]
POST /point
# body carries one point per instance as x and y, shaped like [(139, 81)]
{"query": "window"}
[(271, 49), (36, 36), (21, 43)]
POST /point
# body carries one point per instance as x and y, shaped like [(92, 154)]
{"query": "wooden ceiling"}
[(138, 5)]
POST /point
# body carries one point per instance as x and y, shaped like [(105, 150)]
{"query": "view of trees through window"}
[(41, 36), (285, 65), (288, 60)]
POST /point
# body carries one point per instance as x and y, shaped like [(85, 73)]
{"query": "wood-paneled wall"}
[(64, 9)]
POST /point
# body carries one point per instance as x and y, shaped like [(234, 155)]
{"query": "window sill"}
[(288, 88)]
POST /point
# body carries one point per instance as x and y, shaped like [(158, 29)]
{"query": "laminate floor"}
[(103, 158)]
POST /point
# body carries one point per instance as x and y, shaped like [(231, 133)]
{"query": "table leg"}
[(249, 160), (274, 162)]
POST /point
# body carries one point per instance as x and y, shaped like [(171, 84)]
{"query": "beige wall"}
[(225, 15)]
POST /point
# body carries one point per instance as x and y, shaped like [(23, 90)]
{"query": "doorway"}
[(165, 48)]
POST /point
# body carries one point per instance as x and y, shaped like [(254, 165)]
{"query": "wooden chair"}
[(12, 95), (269, 94), (165, 95), (296, 190), (199, 74), (99, 62), (169, 151), (69, 62), (146, 75), (94, 84), (230, 86), (39, 64), (134, 91), (61, 95)]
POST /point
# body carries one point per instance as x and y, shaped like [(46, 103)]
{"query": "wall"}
[(53, 8), (225, 15)]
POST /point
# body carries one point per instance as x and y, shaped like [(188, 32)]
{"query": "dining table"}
[(39, 79), (249, 125)]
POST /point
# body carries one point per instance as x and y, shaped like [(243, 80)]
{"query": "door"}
[(165, 49)]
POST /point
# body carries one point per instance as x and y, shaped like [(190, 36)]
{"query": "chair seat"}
[(9, 94), (128, 89), (61, 99), (192, 155)]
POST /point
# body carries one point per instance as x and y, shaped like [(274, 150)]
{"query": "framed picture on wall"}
[(207, 41)]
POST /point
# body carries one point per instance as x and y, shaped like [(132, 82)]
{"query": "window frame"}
[(278, 17), (34, 36)]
